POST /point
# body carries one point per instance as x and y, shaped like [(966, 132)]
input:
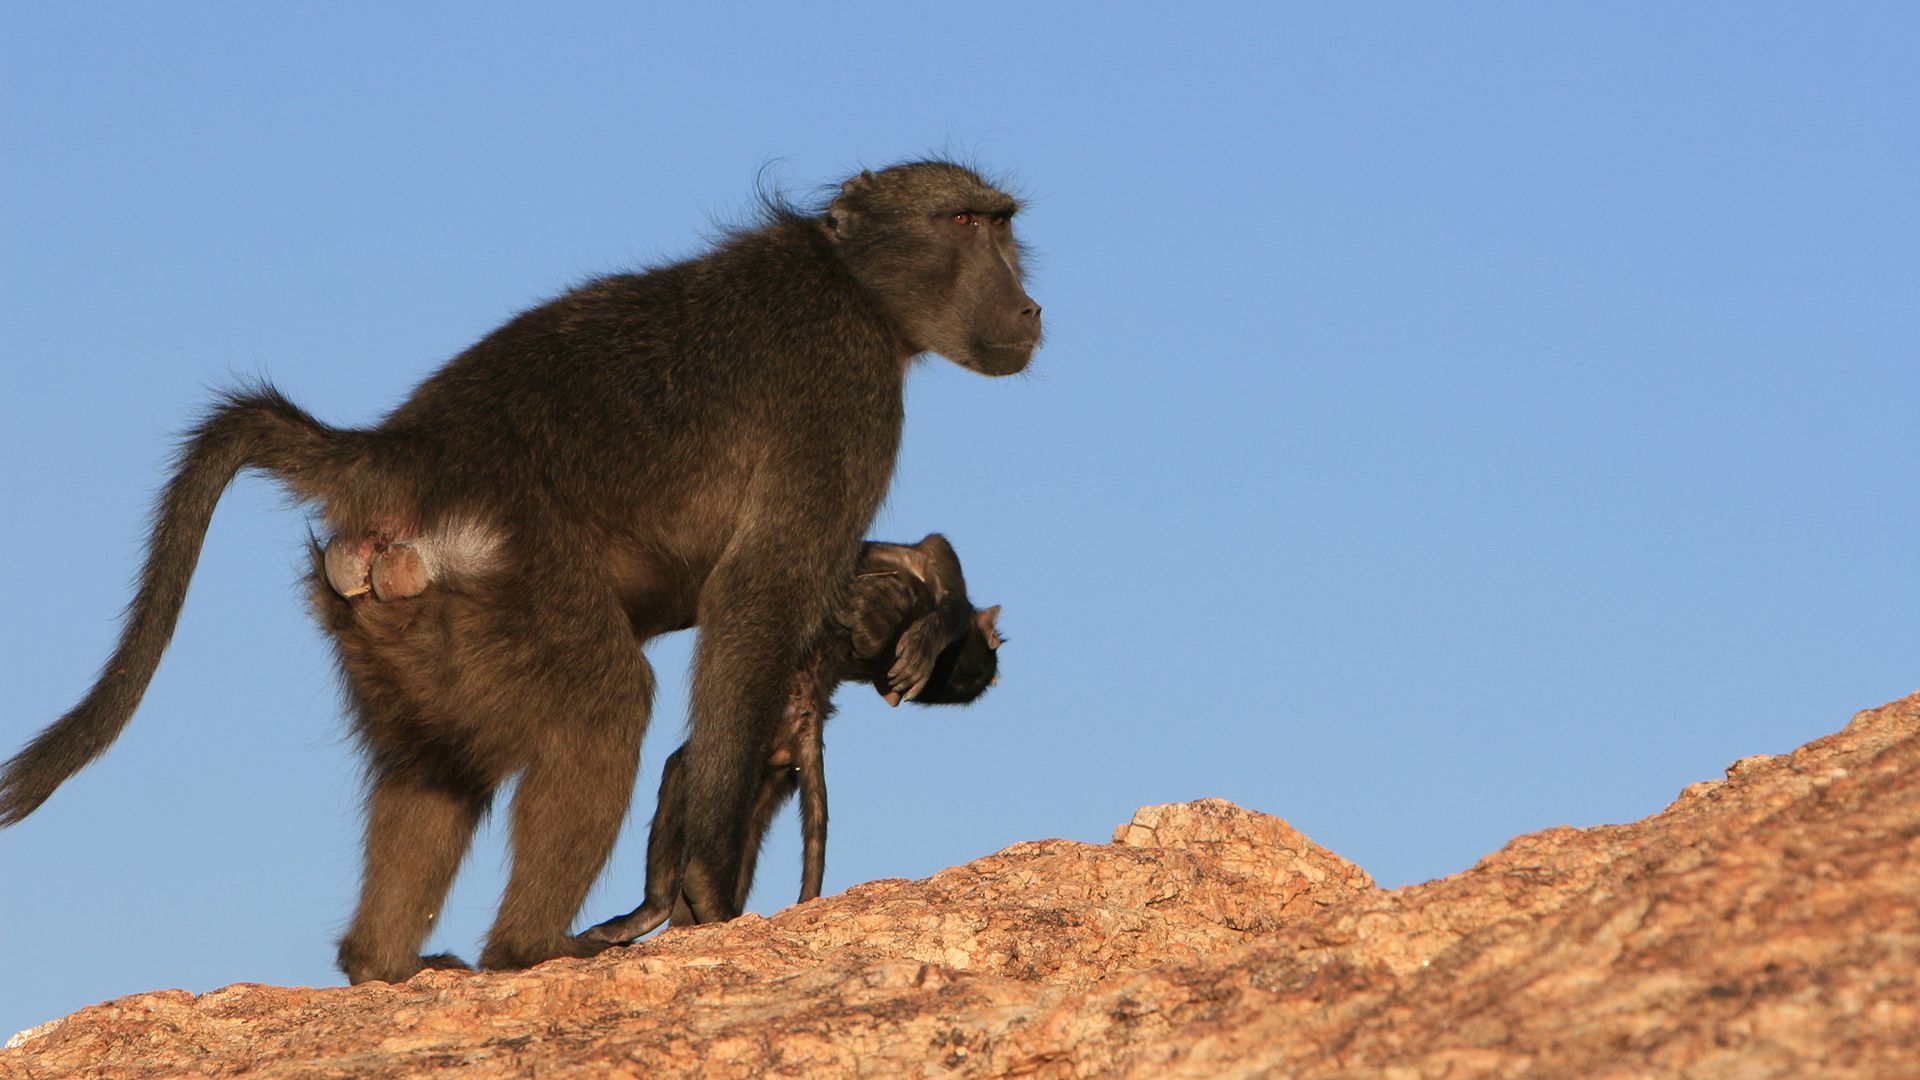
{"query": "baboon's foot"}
[(503, 957), (398, 571), (360, 967), (629, 927)]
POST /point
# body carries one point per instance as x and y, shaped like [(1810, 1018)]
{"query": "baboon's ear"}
[(985, 620), (842, 215)]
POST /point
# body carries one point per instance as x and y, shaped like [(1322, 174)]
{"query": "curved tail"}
[(256, 428)]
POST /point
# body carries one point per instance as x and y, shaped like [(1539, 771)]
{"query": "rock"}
[(1765, 925)]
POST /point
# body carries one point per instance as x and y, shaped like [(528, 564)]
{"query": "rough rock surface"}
[(1765, 925)]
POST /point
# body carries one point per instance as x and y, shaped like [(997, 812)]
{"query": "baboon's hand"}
[(913, 660)]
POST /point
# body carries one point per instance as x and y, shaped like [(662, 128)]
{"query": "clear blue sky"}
[(1456, 421)]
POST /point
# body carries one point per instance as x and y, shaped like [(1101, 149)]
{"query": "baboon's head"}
[(935, 244), (966, 668)]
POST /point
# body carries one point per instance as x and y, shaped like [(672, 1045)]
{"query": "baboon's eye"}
[(1000, 220), (966, 217)]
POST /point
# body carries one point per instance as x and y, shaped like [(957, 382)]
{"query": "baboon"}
[(909, 630), (704, 442)]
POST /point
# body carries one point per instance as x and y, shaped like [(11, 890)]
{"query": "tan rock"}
[(1765, 925)]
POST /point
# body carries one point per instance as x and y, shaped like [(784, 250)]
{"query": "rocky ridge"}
[(1764, 925)]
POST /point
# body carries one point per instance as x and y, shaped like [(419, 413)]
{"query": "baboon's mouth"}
[(1003, 357)]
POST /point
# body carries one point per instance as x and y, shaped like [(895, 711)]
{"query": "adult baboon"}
[(700, 443), (907, 628)]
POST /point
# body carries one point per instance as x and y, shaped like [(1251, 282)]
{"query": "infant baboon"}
[(705, 442), (907, 628)]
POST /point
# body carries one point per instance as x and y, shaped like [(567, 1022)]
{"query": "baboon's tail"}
[(252, 428)]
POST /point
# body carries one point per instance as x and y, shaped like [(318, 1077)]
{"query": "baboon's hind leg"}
[(573, 795), (418, 829)]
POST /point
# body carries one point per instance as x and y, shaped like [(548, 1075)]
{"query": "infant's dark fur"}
[(908, 629)]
